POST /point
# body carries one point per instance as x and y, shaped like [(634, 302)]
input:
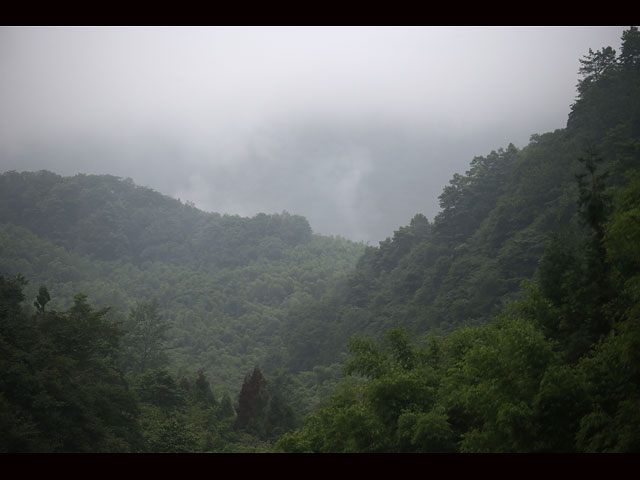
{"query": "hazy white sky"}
[(355, 128)]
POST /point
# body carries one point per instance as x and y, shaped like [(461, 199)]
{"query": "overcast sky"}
[(357, 129)]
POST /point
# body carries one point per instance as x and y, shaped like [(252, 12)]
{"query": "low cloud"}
[(357, 129)]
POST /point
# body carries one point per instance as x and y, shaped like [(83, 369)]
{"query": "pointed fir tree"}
[(252, 403)]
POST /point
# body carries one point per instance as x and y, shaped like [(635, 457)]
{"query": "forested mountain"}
[(493, 227), (109, 218), (531, 269), (214, 290), (509, 323)]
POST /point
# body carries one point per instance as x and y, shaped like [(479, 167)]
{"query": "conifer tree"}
[(252, 403)]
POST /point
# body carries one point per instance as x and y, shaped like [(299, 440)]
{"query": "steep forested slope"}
[(494, 223), (553, 370)]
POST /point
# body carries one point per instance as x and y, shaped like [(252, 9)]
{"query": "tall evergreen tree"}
[(252, 403)]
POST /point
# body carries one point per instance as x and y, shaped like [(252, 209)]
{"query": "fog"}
[(358, 129)]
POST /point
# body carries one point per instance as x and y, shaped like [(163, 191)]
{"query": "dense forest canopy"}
[(531, 270), (509, 323), (223, 284)]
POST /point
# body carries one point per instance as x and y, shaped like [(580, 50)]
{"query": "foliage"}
[(556, 370), (60, 387), (222, 286), (494, 226), (145, 338), (510, 323), (262, 411)]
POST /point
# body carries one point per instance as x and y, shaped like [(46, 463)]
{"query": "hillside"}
[(494, 225), (223, 282), (508, 323)]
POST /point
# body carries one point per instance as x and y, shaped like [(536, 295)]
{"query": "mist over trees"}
[(133, 322), (538, 305), (355, 128)]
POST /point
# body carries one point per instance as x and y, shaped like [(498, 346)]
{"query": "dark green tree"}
[(60, 388), (158, 388), (594, 210), (574, 273), (280, 417), (252, 403), (630, 49), (202, 390), (42, 299), (171, 435), (595, 66), (593, 201), (226, 409)]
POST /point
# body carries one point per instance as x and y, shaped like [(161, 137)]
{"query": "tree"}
[(385, 404), (630, 48), (611, 371), (593, 209), (11, 317), (593, 201), (60, 389), (595, 66), (170, 435), (144, 341), (42, 299), (280, 417), (252, 403), (158, 388), (622, 237), (202, 390), (226, 409)]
